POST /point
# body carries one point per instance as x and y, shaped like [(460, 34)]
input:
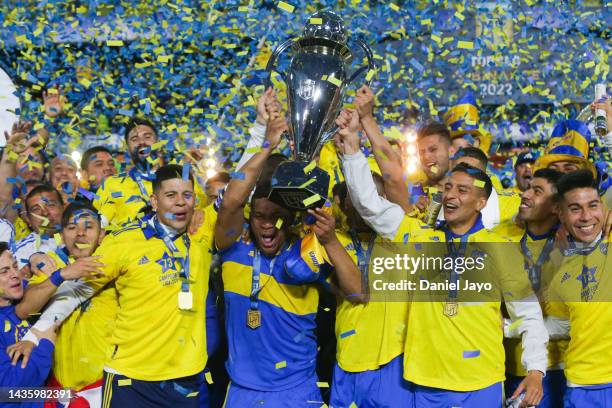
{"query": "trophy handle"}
[(272, 61), (368, 52)]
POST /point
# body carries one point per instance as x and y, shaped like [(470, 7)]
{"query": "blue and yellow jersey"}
[(513, 346), (153, 339), (464, 352), (82, 346), (581, 289), (368, 335), (282, 352)]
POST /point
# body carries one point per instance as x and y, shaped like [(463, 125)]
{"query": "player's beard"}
[(143, 163)]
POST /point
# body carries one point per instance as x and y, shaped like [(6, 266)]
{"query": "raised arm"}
[(388, 160), (231, 211), (382, 215), (16, 143), (268, 101), (38, 294)]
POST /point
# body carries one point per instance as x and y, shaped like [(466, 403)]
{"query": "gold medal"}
[(185, 300), (253, 318), (451, 308)]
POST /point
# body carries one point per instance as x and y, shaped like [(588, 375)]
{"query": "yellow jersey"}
[(582, 288), (513, 347), (462, 352), (154, 339), (368, 335), (509, 203), (120, 199), (82, 346)]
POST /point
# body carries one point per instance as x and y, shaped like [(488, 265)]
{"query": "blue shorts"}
[(380, 388), (305, 395), (490, 397), (554, 385), (120, 391), (596, 396)]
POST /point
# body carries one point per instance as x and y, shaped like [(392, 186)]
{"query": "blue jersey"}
[(39, 365), (281, 353)]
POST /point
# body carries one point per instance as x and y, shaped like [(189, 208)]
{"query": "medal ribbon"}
[(363, 257), (255, 279), (137, 177), (535, 269), (185, 264)]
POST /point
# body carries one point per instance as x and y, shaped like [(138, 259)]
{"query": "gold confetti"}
[(316, 21), (279, 223), (306, 184), (311, 200), (465, 45), (286, 7), (281, 364), (479, 183), (125, 381), (309, 167), (334, 81)]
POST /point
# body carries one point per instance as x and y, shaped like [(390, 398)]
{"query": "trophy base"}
[(296, 189)]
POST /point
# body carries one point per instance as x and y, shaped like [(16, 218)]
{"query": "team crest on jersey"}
[(166, 262), (143, 260), (589, 283)]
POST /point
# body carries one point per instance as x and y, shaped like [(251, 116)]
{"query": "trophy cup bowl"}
[(316, 85)]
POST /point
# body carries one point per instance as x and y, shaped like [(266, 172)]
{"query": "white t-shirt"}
[(30, 245)]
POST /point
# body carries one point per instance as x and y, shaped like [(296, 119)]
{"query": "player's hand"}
[(364, 102), (53, 102), (532, 386), (347, 139), (348, 118), (277, 125), (42, 264), (196, 221), (324, 226), (17, 140), (21, 348), (606, 106), (268, 101), (86, 267), (48, 334)]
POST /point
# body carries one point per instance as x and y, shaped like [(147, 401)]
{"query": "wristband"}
[(56, 278)]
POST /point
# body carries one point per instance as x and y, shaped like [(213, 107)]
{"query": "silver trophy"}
[(316, 87)]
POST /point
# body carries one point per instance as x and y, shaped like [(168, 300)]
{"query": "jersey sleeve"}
[(408, 228)]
